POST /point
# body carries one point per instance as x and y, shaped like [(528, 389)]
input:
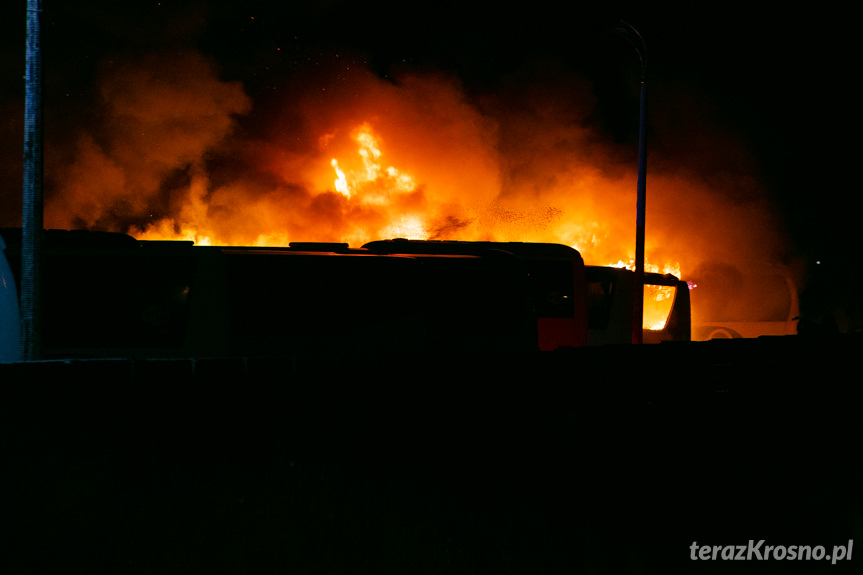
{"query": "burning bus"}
[(110, 295), (610, 292), (555, 274), (577, 305)]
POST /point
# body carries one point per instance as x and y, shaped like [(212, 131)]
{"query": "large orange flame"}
[(353, 158)]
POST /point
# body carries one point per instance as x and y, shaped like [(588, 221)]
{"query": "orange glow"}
[(672, 268), (377, 200), (350, 157), (658, 300)]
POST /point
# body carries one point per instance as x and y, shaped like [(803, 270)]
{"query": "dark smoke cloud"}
[(159, 114), (527, 161), (159, 140)]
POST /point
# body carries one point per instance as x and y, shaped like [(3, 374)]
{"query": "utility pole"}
[(633, 37), (32, 215)]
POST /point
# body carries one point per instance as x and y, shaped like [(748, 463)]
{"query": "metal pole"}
[(638, 299), (32, 216), (633, 37)]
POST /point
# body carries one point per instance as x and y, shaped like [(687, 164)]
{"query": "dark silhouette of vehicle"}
[(610, 290), (555, 281), (110, 295)]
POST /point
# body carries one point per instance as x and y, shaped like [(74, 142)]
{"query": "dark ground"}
[(611, 460)]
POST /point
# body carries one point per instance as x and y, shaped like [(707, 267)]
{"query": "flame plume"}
[(177, 153)]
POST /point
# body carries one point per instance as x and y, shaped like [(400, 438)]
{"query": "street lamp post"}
[(633, 37), (32, 214)]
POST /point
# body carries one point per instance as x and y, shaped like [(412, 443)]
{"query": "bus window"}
[(600, 301), (658, 303), (552, 287)]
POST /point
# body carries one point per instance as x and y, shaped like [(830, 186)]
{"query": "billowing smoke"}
[(158, 117), (340, 154)]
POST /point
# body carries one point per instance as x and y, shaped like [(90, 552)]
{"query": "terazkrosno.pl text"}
[(758, 551)]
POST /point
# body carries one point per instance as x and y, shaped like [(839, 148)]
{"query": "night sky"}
[(757, 93)]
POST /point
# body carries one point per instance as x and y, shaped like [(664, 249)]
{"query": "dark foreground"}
[(611, 460)]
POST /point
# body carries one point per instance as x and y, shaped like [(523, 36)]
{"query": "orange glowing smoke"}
[(177, 153)]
